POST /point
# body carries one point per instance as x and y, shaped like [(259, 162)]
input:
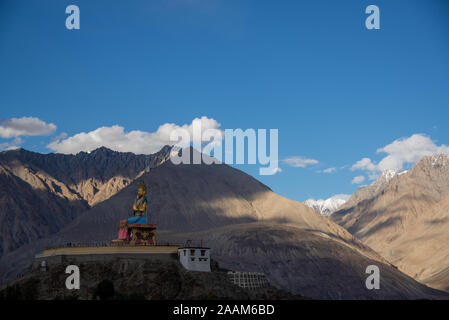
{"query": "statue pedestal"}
[(136, 234), (142, 234)]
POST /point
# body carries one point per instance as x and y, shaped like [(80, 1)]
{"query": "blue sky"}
[(336, 91)]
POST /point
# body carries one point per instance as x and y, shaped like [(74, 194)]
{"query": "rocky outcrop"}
[(133, 278)]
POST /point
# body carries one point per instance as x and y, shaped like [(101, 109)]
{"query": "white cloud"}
[(277, 170), (7, 146), (274, 171), (364, 164), (329, 170), (25, 126), (60, 137), (358, 180), (401, 152), (408, 150), (299, 162), (136, 141), (15, 144)]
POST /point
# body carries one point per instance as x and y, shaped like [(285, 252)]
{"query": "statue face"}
[(141, 192)]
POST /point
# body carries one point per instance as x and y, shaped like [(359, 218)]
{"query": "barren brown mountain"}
[(406, 220), (41, 193), (248, 227)]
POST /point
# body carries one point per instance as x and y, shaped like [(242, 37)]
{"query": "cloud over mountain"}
[(399, 153), (116, 138)]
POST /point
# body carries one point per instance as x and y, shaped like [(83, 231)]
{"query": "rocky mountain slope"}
[(40, 193), (27, 213), (406, 219), (248, 227), (367, 192), (305, 261)]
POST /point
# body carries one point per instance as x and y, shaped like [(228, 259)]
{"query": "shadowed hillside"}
[(248, 227), (41, 193)]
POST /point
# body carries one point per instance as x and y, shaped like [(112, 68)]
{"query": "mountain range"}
[(246, 224), (405, 218), (41, 193)]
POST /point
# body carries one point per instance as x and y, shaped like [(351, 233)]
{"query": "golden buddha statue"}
[(140, 204)]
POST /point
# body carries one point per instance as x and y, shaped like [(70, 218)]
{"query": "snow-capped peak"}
[(383, 179), (327, 206)]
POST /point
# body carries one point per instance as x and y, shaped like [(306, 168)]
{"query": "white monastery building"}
[(195, 258)]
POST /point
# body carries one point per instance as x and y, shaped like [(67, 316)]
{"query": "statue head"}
[(141, 189)]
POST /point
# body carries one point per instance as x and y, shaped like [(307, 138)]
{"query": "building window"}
[(193, 259), (203, 253), (192, 252), (185, 252)]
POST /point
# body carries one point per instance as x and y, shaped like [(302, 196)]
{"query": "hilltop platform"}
[(78, 254)]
